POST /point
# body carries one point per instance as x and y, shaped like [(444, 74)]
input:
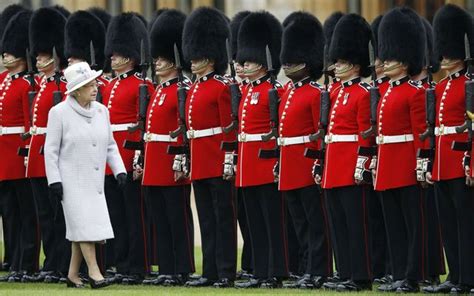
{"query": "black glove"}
[(122, 180), (57, 190)]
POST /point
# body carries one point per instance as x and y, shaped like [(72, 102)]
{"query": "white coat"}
[(79, 143)]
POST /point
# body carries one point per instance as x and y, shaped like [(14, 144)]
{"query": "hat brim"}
[(79, 85)]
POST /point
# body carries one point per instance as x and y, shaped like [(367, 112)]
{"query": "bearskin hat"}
[(83, 27), (124, 36), (46, 32), (303, 42), (15, 36), (450, 24), (329, 25), (375, 30), (103, 15), (402, 38), (434, 59), (154, 16), (258, 30), (204, 35), (294, 15), (7, 14), (165, 33), (62, 10), (234, 30), (350, 42)]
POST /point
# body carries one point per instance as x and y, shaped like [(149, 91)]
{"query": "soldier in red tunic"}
[(400, 120), (302, 58), (167, 197), (208, 111), (19, 208), (349, 116), (126, 207), (255, 176), (454, 198)]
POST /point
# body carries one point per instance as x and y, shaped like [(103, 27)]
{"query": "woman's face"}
[(88, 92)]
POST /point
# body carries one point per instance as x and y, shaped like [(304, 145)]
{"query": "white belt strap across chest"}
[(151, 137), (288, 141), (122, 127), (194, 134), (11, 130), (381, 139), (340, 138)]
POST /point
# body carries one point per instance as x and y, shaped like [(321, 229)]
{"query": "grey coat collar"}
[(89, 113)]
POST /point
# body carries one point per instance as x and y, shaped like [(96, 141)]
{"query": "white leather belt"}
[(445, 130), (34, 130), (243, 137), (287, 141), (194, 134), (122, 127), (340, 138), (11, 130), (151, 137), (394, 139)]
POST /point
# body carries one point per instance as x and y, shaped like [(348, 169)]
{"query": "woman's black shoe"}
[(71, 284), (98, 284)]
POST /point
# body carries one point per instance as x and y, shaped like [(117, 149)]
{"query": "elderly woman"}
[(78, 145)]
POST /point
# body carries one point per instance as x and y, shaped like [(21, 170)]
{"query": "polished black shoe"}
[(53, 278), (409, 286), (111, 271), (390, 287), (156, 281), (32, 278), (294, 276), (460, 289), (430, 281), (332, 283), (98, 284), (200, 282), (4, 278), (297, 284), (224, 283), (444, 288), (154, 273), (243, 275), (251, 283), (193, 276), (175, 280), (71, 284), (132, 280), (5, 266), (318, 281), (16, 277), (354, 286), (271, 283), (116, 279), (386, 279)]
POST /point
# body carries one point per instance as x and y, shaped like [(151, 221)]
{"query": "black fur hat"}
[(434, 59), (350, 42), (204, 35), (293, 16), (450, 24), (124, 36), (62, 10), (303, 42), (103, 15), (83, 27), (167, 31), (329, 26), (142, 18), (402, 38), (375, 30), (258, 30), (155, 15), (234, 30), (15, 36), (46, 31), (8, 13)]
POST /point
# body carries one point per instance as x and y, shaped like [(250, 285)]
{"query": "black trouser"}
[(215, 204), (348, 207), (403, 215), (434, 255), (246, 260), (378, 241), (56, 248), (19, 211), (168, 206), (9, 229), (266, 214), (126, 210), (308, 211), (297, 257), (455, 207)]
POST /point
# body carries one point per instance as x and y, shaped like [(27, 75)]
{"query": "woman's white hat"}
[(78, 75)]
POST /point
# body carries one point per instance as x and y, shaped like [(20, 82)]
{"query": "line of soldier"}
[(375, 174)]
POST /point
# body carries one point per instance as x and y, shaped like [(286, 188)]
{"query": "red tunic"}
[(401, 111), (162, 118), (254, 118), (350, 115), (450, 110), (14, 112), (208, 106), (299, 116), (121, 96), (42, 103)]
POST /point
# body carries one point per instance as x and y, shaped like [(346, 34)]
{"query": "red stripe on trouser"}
[(326, 234), (145, 257), (422, 235), (284, 230), (364, 217), (186, 224)]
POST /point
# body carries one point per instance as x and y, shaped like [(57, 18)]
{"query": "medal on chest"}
[(254, 98)]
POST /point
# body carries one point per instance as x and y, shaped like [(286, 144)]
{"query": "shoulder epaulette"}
[(364, 85), (315, 85), (414, 84), (221, 79)]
